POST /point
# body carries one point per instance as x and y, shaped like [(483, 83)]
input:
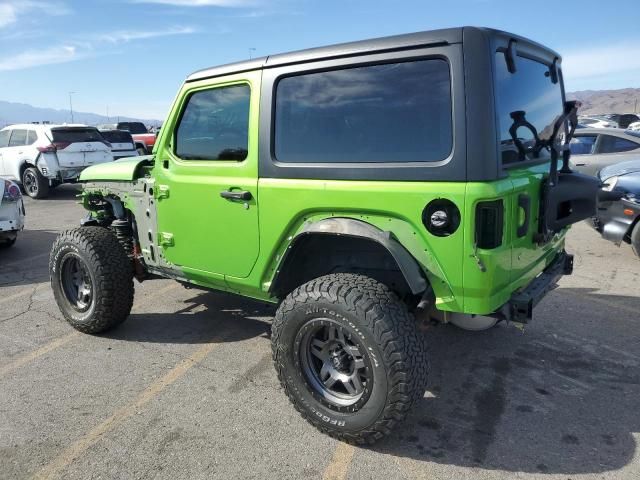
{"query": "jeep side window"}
[(582, 144), (215, 125), (395, 112)]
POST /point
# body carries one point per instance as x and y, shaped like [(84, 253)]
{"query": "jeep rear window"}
[(396, 112), (528, 89), (215, 125), (73, 135)]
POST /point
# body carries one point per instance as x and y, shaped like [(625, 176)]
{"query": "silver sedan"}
[(595, 148)]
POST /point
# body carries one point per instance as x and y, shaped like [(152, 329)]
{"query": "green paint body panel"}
[(238, 245), (124, 169)]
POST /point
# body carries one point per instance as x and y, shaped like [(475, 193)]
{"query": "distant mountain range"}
[(626, 100), (11, 112)]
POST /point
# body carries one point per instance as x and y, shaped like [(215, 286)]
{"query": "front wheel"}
[(349, 356), (91, 278)]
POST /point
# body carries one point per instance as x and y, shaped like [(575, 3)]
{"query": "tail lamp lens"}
[(489, 224), (11, 192)]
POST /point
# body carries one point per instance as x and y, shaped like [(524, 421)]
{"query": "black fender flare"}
[(351, 227)]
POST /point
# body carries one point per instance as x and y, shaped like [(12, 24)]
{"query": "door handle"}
[(236, 194), (580, 164)]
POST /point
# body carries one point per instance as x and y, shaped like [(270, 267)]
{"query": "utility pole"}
[(251, 50), (71, 105)]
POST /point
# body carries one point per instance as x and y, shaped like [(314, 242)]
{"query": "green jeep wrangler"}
[(355, 186)]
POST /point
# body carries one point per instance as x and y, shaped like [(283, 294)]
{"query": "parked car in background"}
[(144, 140), (623, 120), (619, 220), (43, 156), (634, 127), (11, 213), (596, 122), (596, 148), (122, 143)]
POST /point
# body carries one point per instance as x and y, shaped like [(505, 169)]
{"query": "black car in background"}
[(619, 220), (623, 119)]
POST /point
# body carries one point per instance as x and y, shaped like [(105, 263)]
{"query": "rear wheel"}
[(34, 184), (349, 356), (141, 151), (91, 278), (635, 239)]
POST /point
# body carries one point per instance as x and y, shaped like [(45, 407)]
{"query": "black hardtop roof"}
[(377, 45)]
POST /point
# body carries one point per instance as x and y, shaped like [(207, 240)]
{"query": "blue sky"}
[(130, 56)]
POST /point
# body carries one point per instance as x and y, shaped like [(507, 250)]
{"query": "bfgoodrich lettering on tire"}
[(91, 278), (349, 356)]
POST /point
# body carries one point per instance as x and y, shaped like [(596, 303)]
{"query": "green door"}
[(206, 174)]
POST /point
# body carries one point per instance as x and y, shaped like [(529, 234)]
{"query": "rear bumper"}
[(520, 307), (11, 217)]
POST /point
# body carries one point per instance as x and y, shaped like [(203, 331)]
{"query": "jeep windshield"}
[(528, 90)]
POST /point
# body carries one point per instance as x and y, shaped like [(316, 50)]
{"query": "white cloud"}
[(123, 36), (608, 60), (11, 10), (34, 58), (201, 3), (76, 50)]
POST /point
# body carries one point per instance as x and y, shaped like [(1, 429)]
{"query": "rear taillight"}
[(11, 192), (489, 224), (53, 147), (47, 149)]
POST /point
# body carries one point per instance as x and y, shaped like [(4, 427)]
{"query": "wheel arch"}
[(345, 244)]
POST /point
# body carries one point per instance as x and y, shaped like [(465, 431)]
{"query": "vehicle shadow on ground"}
[(208, 315), (26, 262), (68, 191), (539, 403)]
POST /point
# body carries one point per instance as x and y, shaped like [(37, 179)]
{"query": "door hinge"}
[(162, 191), (165, 239)]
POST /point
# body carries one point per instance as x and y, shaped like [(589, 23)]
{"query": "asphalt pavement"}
[(185, 388)]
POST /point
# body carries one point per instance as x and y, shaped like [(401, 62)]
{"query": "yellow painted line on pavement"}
[(75, 450), (339, 464), (29, 357)]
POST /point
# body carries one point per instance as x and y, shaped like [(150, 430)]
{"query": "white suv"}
[(43, 156)]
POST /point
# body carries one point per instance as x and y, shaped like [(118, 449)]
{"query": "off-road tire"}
[(141, 151), (387, 330), (635, 239), (32, 176), (110, 271)]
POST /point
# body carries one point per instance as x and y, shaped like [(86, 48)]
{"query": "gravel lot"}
[(185, 388)]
